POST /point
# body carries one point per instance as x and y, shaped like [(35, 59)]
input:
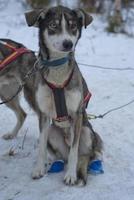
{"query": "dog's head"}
[(60, 27)]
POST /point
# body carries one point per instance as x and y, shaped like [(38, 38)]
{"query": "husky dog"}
[(10, 78), (60, 94)]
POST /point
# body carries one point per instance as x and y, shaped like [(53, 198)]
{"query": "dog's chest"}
[(45, 100)]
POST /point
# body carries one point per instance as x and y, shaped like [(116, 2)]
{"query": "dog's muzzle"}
[(67, 45)]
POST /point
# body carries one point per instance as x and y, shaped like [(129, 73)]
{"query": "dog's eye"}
[(52, 25), (73, 26)]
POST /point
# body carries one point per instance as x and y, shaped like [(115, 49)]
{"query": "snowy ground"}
[(109, 89)]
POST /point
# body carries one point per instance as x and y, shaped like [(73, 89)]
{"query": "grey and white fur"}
[(59, 31)]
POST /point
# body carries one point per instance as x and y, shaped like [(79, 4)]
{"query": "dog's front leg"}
[(41, 164), (71, 174)]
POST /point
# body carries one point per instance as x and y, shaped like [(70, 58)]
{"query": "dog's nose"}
[(67, 44)]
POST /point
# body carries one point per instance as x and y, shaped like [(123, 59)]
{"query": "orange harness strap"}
[(13, 56)]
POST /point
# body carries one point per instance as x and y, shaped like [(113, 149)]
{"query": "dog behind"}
[(10, 78)]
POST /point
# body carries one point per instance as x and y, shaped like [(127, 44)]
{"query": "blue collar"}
[(54, 63)]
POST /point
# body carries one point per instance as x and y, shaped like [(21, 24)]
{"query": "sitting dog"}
[(61, 94)]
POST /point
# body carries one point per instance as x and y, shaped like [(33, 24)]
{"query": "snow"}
[(109, 89)]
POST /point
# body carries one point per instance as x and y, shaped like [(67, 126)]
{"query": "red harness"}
[(16, 52), (59, 97)]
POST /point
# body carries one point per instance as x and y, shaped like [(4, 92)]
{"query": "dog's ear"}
[(33, 17), (84, 16)]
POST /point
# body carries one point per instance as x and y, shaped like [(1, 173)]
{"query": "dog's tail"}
[(98, 147)]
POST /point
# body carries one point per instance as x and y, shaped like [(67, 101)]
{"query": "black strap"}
[(60, 102)]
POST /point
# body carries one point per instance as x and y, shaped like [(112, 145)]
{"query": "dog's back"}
[(21, 64)]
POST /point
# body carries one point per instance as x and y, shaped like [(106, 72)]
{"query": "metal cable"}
[(108, 68), (109, 111)]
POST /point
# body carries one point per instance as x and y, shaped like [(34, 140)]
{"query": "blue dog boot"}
[(56, 167), (95, 167)]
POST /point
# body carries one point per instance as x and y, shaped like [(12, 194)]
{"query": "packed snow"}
[(109, 89)]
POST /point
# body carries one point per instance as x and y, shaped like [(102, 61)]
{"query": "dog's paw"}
[(70, 179), (38, 172), (8, 136), (81, 183)]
